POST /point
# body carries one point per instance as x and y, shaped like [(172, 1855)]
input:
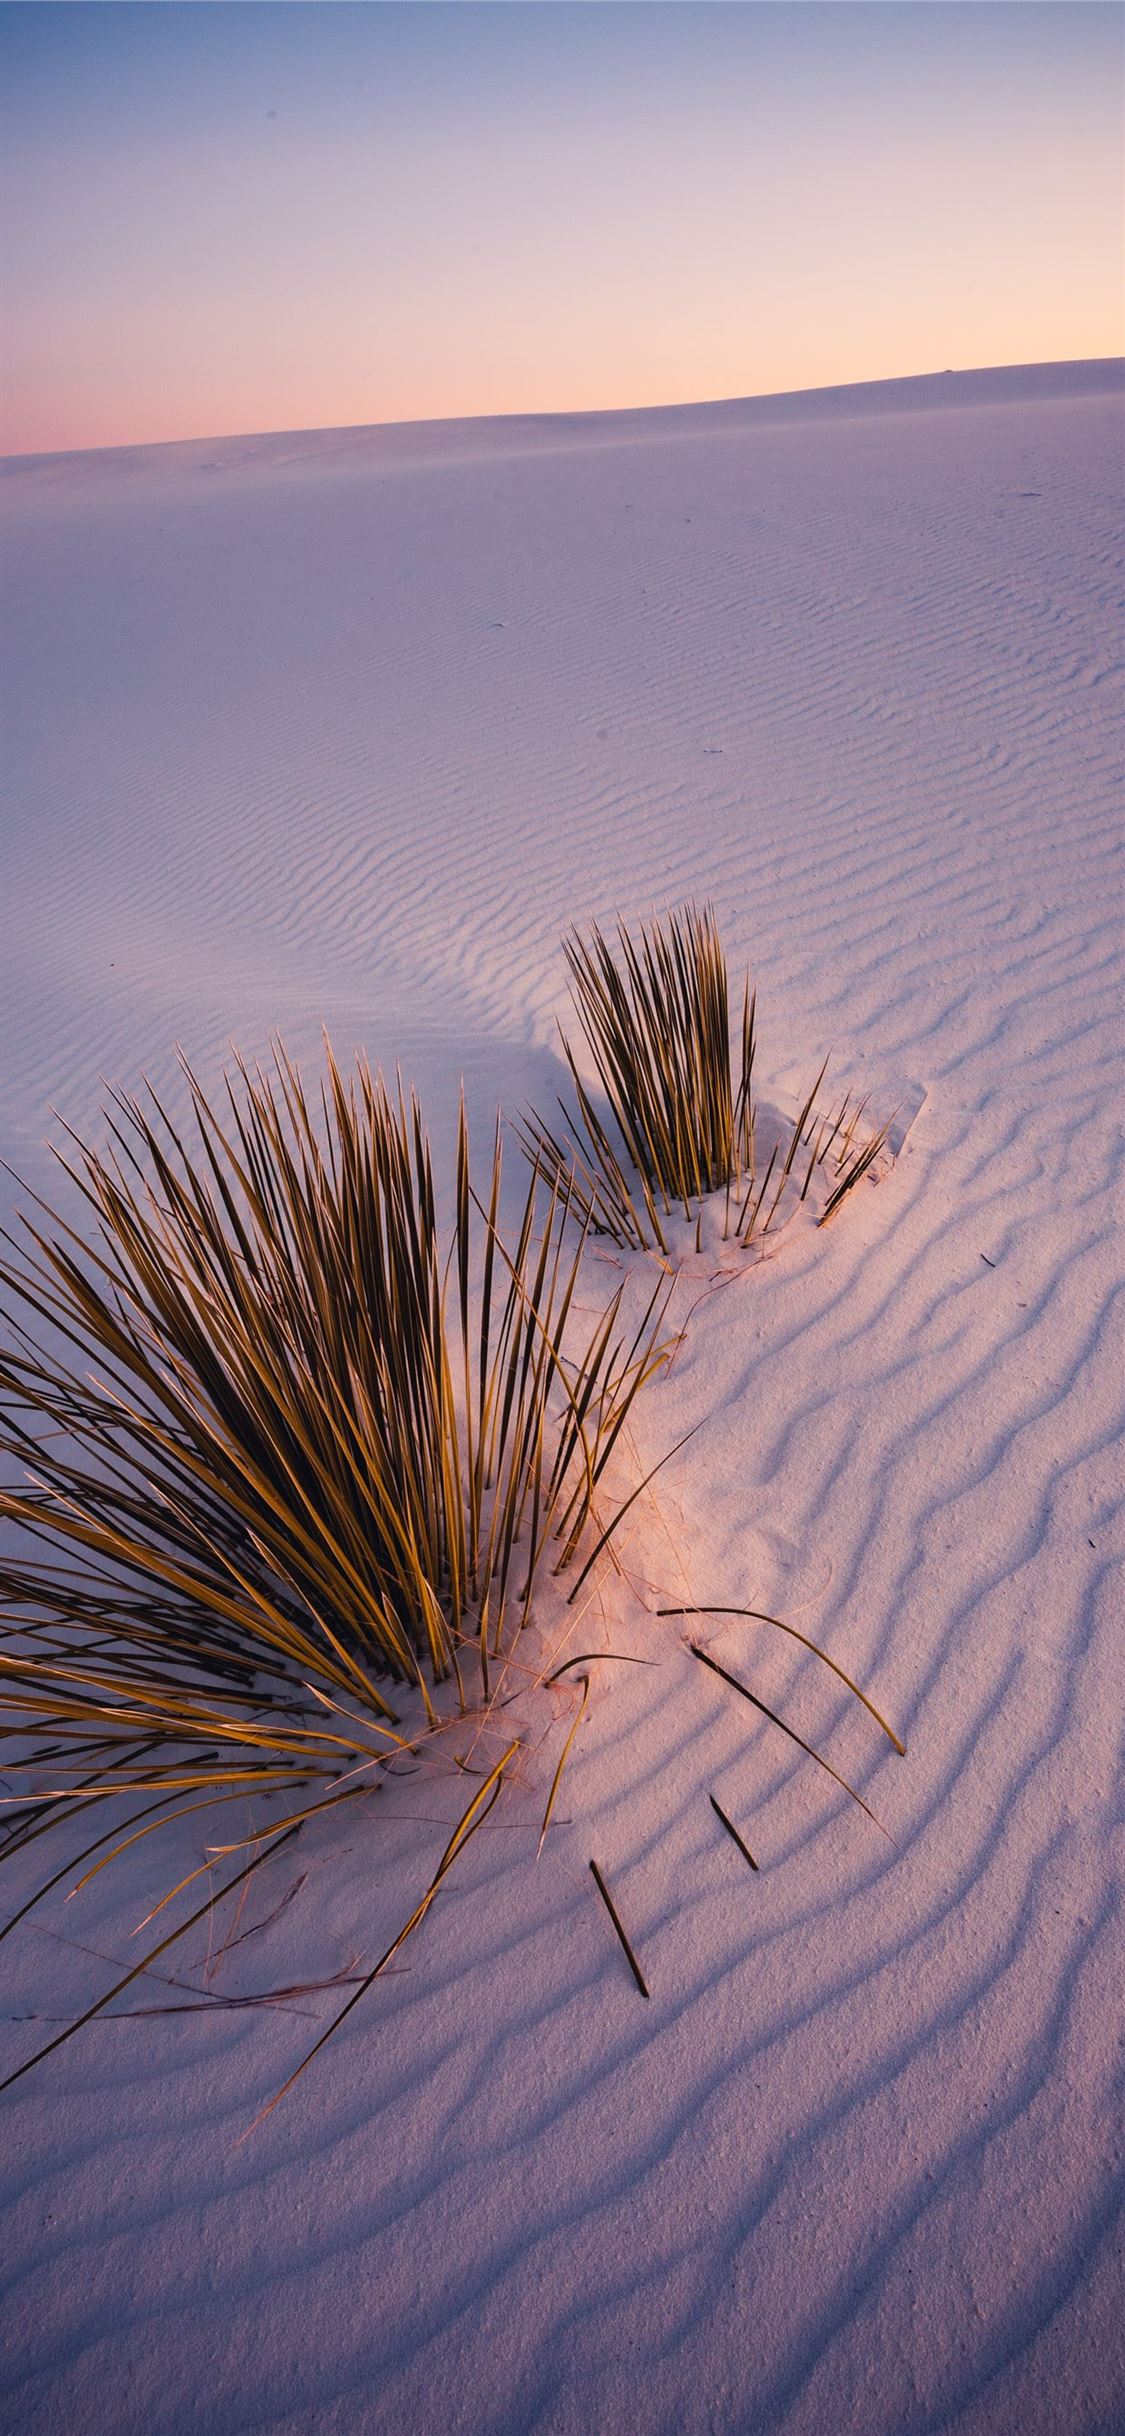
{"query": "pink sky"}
[(265, 218)]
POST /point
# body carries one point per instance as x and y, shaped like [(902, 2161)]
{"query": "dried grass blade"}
[(802, 1745), (611, 1908), (758, 1616), (564, 1756), (732, 1831)]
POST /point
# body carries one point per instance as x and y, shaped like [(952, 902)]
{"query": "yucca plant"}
[(292, 1459), (679, 1119)]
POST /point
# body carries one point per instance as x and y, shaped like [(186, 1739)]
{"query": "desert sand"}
[(345, 728)]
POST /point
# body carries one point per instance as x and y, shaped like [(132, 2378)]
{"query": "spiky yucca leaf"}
[(283, 1445)]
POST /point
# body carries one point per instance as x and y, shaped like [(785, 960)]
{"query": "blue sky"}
[(225, 218)]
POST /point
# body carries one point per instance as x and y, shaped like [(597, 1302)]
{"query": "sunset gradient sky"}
[(224, 219)]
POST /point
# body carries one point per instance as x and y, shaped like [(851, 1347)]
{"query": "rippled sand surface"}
[(347, 728)]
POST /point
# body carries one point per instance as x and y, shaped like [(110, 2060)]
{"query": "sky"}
[(220, 219)]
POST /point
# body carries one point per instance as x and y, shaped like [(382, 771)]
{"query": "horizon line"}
[(20, 459)]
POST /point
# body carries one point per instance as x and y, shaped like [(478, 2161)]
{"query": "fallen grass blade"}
[(732, 1831), (591, 1657), (759, 1616), (802, 1745), (611, 1908)]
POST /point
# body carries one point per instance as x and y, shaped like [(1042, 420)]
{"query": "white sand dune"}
[(347, 728)]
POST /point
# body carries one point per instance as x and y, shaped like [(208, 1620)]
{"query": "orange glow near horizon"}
[(241, 221)]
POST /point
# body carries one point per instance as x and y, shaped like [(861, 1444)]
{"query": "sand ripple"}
[(352, 735)]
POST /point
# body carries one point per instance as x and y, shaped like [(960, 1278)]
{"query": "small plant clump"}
[(287, 1450), (678, 1119)]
